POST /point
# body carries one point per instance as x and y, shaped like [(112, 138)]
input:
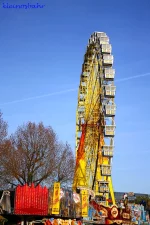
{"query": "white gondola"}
[(101, 34), (104, 189), (110, 110), (110, 91), (106, 48), (109, 73), (104, 40), (108, 59), (105, 170), (107, 151), (103, 186), (109, 131)]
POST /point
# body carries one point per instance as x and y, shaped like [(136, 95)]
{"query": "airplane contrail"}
[(40, 96), (133, 77), (68, 90)]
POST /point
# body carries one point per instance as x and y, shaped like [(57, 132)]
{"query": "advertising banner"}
[(84, 196), (56, 199)]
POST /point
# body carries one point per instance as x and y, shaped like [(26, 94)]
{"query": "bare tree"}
[(3, 136), (65, 164), (30, 154), (3, 129), (34, 155)]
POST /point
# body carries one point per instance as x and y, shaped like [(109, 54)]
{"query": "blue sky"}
[(41, 52)]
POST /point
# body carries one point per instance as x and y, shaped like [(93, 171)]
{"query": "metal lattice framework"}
[(95, 125)]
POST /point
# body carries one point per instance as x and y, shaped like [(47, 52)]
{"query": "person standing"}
[(125, 196), (147, 218)]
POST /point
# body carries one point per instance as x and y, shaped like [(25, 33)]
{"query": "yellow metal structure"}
[(95, 126)]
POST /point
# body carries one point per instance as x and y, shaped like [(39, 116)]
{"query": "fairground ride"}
[(95, 130), (95, 124)]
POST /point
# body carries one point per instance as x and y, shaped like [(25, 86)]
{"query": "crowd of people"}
[(140, 212)]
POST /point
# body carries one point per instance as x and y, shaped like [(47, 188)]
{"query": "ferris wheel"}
[(95, 124)]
